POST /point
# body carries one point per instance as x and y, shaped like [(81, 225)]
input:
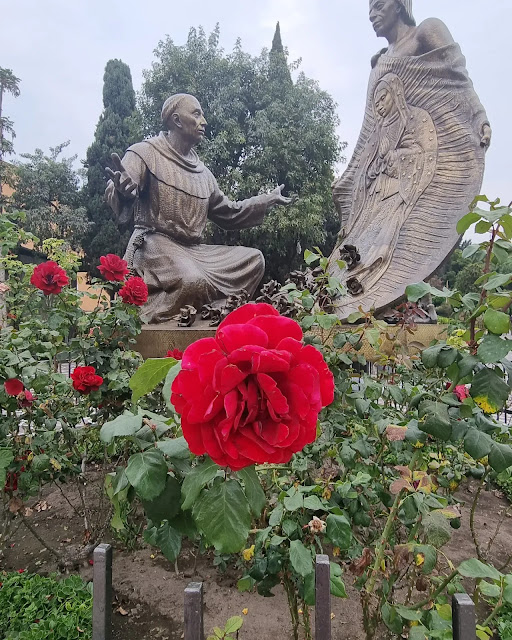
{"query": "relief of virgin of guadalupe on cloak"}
[(417, 165)]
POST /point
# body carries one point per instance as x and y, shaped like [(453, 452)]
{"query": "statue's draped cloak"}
[(438, 83), (176, 197)]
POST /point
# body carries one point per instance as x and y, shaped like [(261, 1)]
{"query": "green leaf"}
[(489, 390), (391, 619), (337, 586), (437, 421), (430, 554), (6, 457), (415, 292), (195, 480), (294, 502), (169, 379), (149, 375), (466, 221), (496, 321), (499, 280), (125, 425), (354, 317), (166, 505), (408, 614), (174, 448), (300, 558), (223, 515), (429, 356), (339, 531), (314, 503), (276, 515), (253, 491), (147, 473), (169, 542), (470, 250), (477, 443), (233, 624), (500, 456), (245, 584), (437, 529), (475, 569), (493, 349), (489, 590)]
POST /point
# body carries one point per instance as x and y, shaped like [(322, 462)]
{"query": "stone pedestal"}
[(156, 339)]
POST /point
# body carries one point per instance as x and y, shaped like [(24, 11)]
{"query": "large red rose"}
[(49, 278), (13, 387), (113, 268), (253, 393), (134, 292), (85, 380)]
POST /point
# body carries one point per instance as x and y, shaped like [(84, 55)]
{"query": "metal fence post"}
[(464, 617), (102, 593), (194, 628), (322, 598)]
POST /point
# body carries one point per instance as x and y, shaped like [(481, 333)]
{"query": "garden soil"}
[(148, 592)]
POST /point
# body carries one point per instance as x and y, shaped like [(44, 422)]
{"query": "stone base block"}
[(156, 339)]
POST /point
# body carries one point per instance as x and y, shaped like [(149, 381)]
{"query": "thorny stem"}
[(479, 553), (292, 604), (381, 547), (472, 326), (307, 622)]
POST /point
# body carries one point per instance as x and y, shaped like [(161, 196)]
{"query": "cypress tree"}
[(114, 134)]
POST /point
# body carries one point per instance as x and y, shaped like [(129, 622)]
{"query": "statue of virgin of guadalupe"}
[(397, 164), (417, 165)]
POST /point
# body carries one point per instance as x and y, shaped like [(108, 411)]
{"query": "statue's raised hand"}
[(485, 140), (123, 183), (277, 198)]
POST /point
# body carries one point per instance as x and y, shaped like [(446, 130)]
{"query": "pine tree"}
[(114, 134)]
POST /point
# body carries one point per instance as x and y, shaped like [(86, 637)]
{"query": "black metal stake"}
[(102, 593), (322, 598), (194, 629), (464, 617)]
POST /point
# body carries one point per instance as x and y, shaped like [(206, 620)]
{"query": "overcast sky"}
[(59, 49)]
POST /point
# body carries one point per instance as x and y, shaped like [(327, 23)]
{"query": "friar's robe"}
[(175, 198)]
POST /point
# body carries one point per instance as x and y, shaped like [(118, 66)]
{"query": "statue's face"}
[(191, 118), (383, 15), (384, 102)]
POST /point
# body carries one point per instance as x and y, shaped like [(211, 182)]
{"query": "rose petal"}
[(243, 314), (235, 336), (277, 328)]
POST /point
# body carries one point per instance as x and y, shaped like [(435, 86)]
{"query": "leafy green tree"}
[(467, 276), (264, 129), (115, 132), (9, 83), (48, 190)]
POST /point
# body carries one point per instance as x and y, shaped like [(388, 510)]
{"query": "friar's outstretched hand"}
[(277, 198), (123, 183)]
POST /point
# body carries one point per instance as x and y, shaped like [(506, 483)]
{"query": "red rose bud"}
[(49, 278), (85, 380), (253, 393), (176, 354), (113, 268), (26, 398), (461, 392), (13, 387), (134, 292)]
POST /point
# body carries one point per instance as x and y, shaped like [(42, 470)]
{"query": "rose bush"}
[(262, 390), (134, 292), (49, 278), (113, 268)]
